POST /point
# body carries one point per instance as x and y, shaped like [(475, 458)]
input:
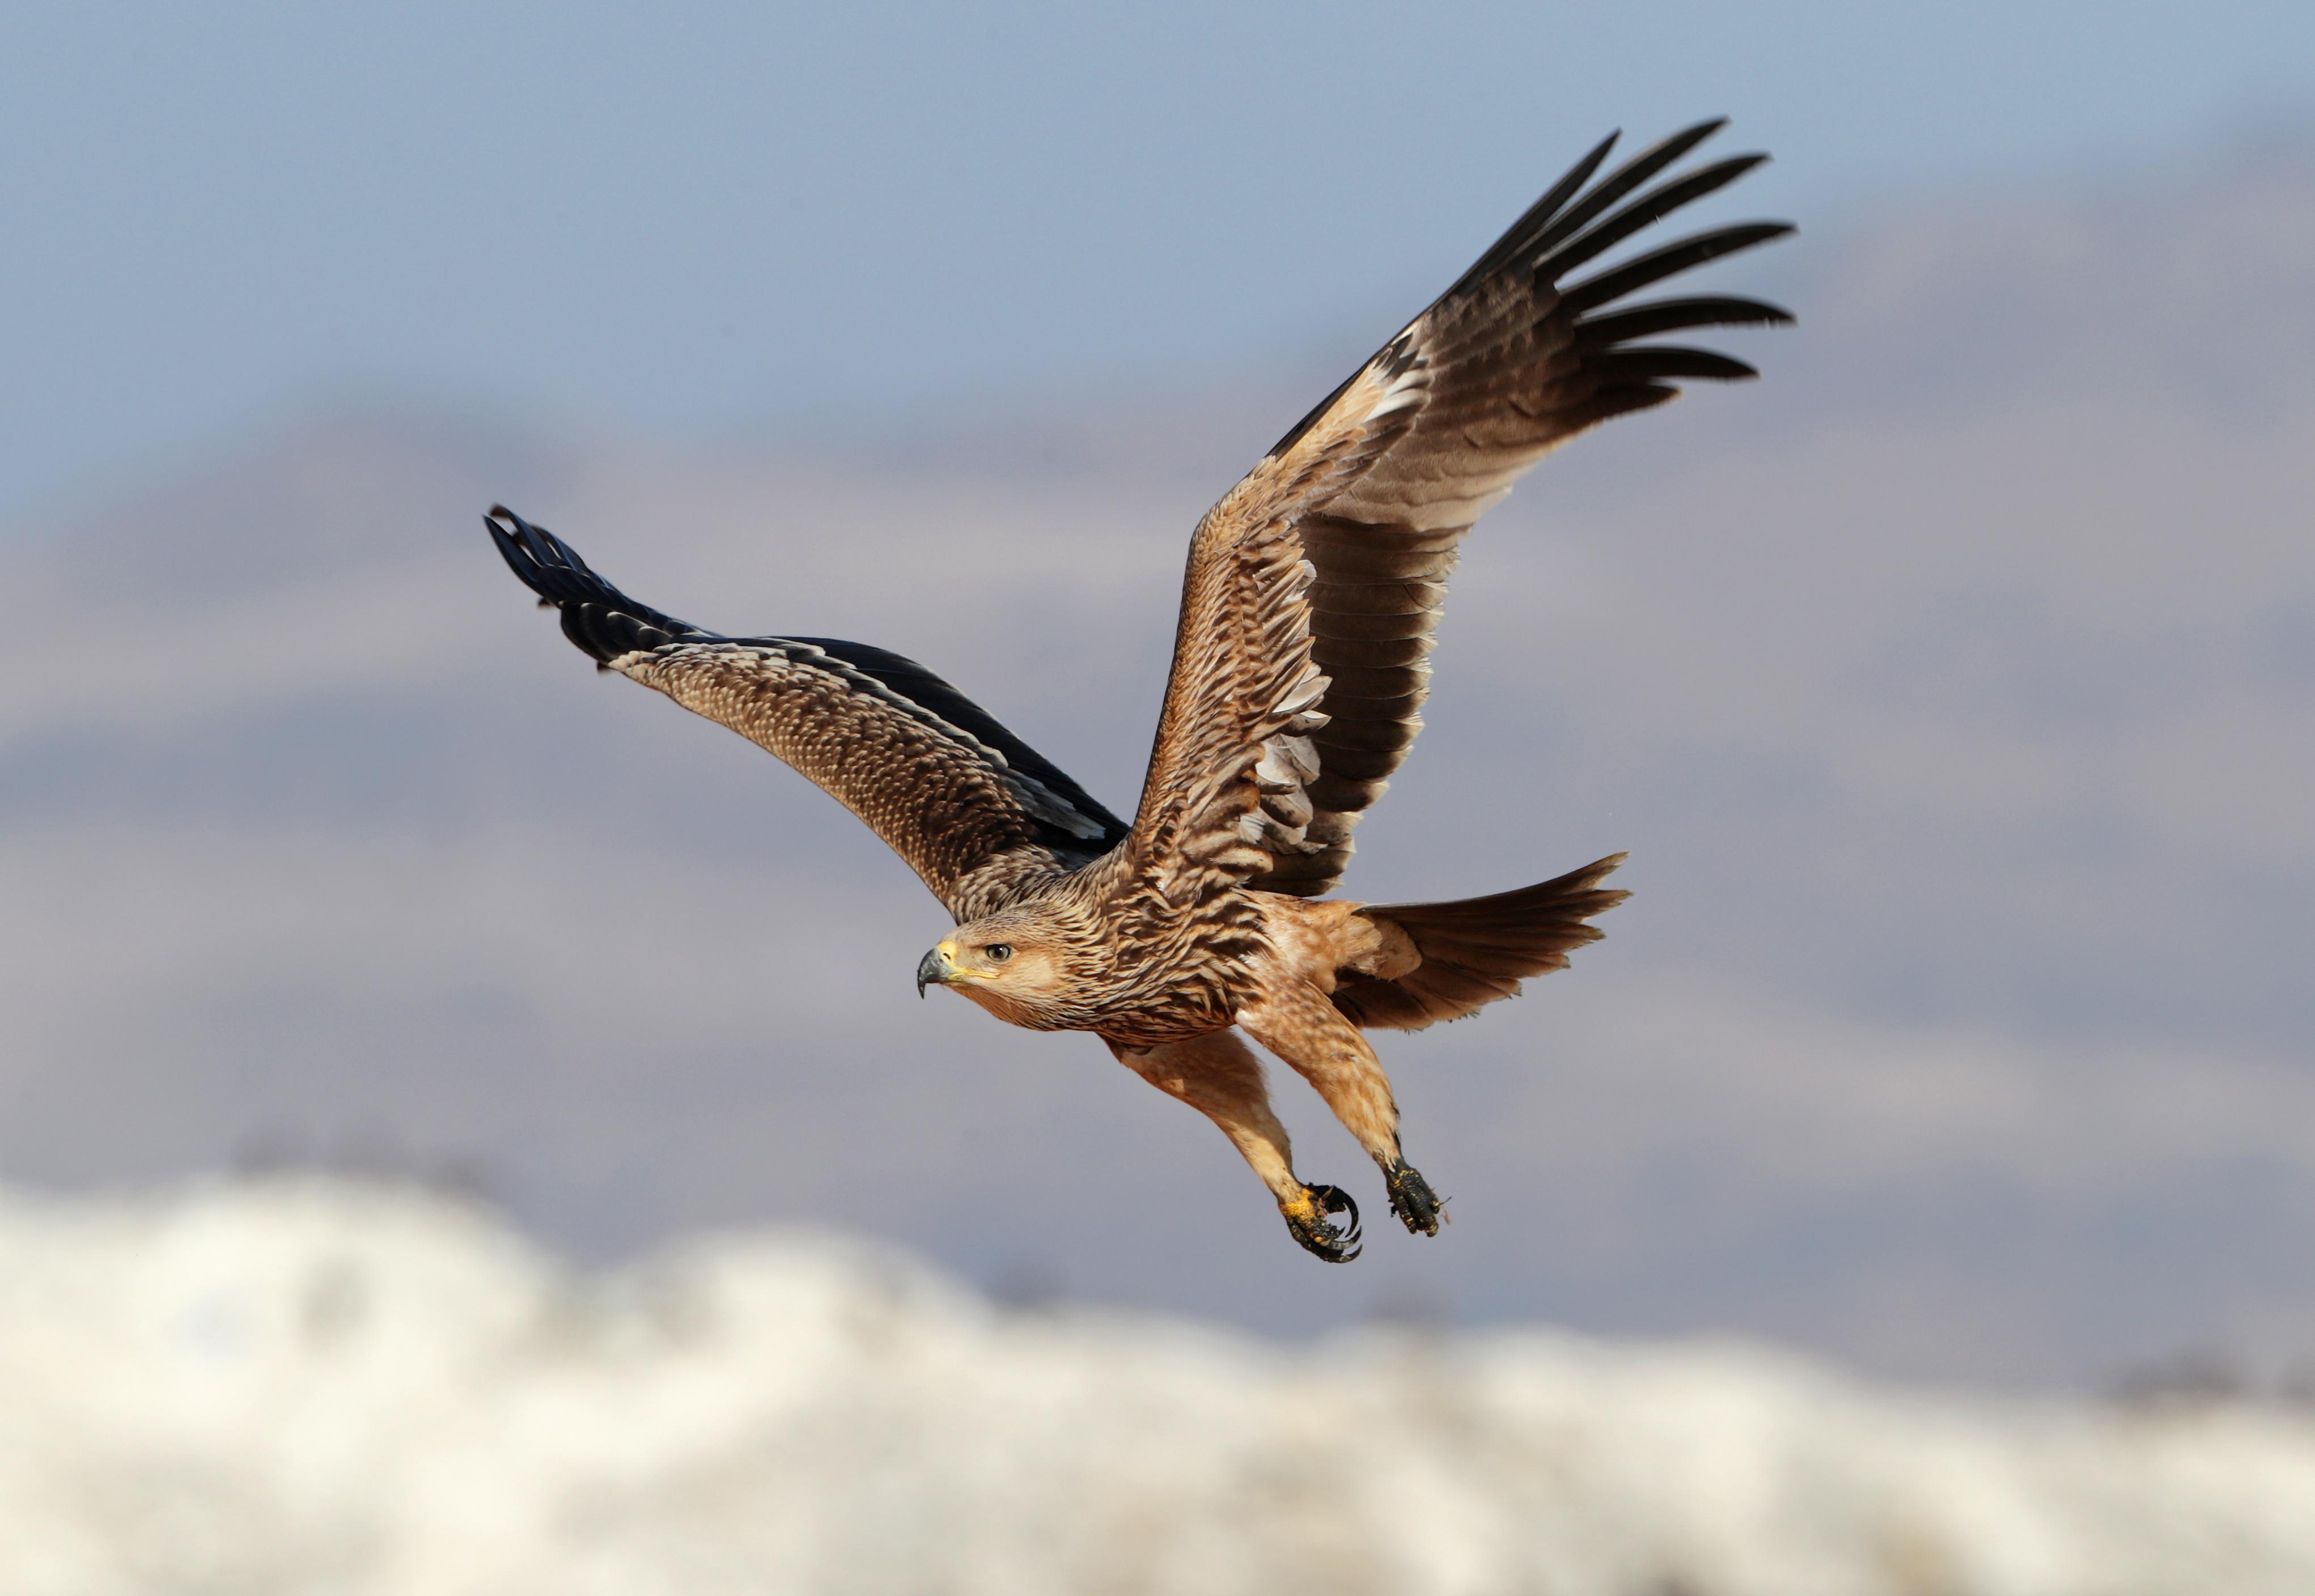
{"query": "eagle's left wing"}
[(974, 810), (1300, 663)]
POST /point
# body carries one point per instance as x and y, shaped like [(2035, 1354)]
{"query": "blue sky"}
[(725, 217)]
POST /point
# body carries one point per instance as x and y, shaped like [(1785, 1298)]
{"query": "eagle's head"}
[(1017, 963)]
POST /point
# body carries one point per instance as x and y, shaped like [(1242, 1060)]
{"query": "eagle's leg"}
[(1299, 1023), (1220, 1078)]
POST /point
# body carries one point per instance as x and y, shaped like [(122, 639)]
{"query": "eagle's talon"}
[(1306, 1219), (1419, 1208)]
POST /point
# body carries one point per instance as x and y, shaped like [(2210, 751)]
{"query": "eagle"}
[(1302, 662)]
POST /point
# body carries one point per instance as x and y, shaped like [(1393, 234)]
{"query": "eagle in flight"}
[(1299, 671)]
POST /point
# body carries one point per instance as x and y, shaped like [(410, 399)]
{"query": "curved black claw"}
[(1306, 1218), (1419, 1208)]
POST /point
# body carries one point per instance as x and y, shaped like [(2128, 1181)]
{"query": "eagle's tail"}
[(1476, 949)]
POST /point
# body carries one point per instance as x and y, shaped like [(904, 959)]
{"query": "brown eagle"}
[(1301, 666)]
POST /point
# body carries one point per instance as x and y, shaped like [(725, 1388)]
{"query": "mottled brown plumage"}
[(1300, 666)]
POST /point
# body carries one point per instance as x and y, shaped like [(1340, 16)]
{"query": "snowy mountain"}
[(303, 1386)]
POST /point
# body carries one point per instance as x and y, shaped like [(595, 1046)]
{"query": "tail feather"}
[(1476, 951)]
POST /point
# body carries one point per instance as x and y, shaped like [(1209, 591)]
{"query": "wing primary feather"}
[(1622, 398), (1645, 212), (1676, 316), (1621, 181), (1516, 239), (1652, 361), (1676, 257), (601, 621)]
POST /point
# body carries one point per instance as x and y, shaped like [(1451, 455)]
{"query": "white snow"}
[(315, 1386)]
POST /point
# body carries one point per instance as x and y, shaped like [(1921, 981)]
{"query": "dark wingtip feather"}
[(1677, 256), (1645, 212), (1622, 398), (1519, 238), (1655, 361), (1677, 315), (1621, 181), (601, 621)]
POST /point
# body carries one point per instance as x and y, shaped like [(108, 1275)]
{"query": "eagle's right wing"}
[(973, 810)]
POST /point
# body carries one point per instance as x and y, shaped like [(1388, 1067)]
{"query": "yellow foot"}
[(1306, 1216)]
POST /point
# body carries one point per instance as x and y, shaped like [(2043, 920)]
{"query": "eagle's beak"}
[(933, 969)]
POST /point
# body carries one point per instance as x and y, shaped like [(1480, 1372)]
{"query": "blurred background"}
[(1952, 688)]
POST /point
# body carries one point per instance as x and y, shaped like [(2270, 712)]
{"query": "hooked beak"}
[(933, 969)]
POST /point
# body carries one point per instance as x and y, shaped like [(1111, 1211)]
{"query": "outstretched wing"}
[(974, 810), (1302, 662)]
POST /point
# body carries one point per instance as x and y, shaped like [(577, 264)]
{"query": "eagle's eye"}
[(999, 952)]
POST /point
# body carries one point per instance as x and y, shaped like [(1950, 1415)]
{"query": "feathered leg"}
[(1220, 1078), (1299, 1023)]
